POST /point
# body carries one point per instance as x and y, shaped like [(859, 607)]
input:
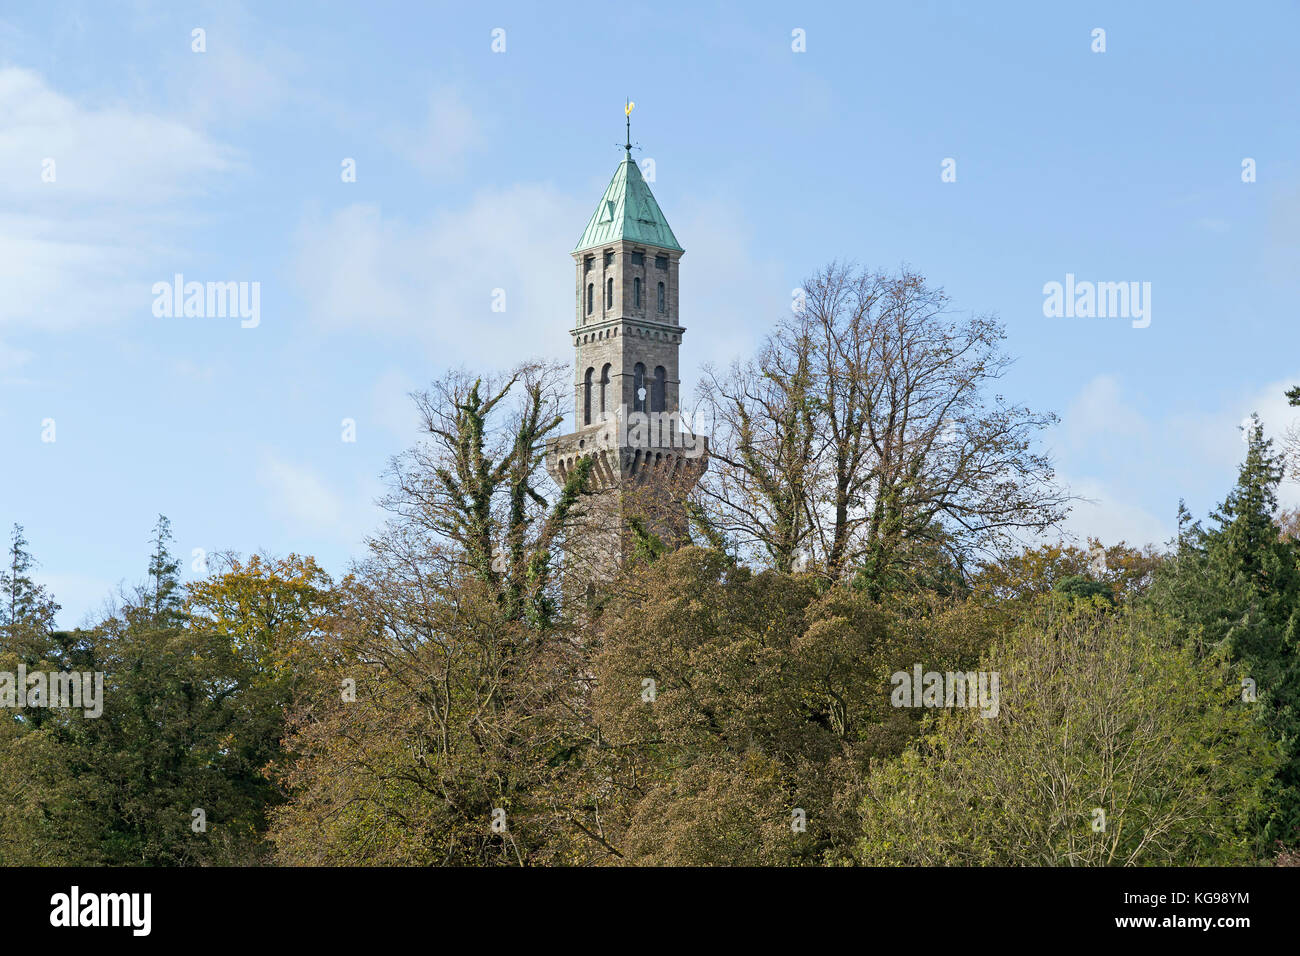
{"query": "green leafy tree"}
[(1016, 581), (1085, 588), (1236, 587), (452, 686), (438, 717), (726, 700), (35, 779), (1113, 745), (170, 773), (26, 611), (163, 598)]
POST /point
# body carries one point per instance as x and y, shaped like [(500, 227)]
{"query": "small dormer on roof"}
[(628, 211)]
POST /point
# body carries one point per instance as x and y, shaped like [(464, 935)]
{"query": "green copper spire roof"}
[(628, 211)]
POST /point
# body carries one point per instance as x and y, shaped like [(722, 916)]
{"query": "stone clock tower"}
[(626, 335)]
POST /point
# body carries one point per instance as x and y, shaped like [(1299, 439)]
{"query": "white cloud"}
[(358, 268), (451, 131), (1120, 459), (1280, 244), (436, 283), (1099, 410), (1106, 451), (1111, 515), (12, 358), (103, 155), (193, 372), (392, 408), (226, 85), (310, 505), (731, 296), (1216, 438), (55, 279), (79, 250), (299, 494)]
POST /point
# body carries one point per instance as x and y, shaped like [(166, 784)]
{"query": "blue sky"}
[(478, 170)]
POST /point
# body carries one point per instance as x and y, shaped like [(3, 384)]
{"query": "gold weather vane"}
[(628, 107)]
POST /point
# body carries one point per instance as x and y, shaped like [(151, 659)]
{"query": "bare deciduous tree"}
[(473, 483), (864, 430)]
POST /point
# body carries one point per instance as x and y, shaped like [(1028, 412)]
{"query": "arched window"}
[(586, 396), (591, 296), (638, 388), (636, 292), (609, 293), (660, 389), (662, 307), (604, 388)]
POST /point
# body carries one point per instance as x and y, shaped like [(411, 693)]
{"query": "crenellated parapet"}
[(651, 455)]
